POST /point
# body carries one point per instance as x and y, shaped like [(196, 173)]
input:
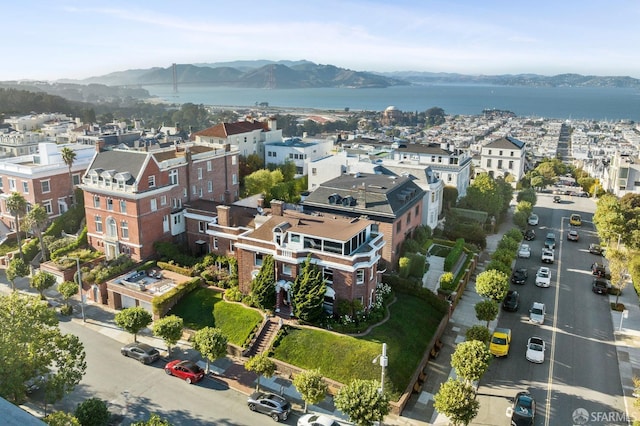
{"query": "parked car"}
[(500, 342), (519, 276), (550, 240), (548, 255), (543, 277), (529, 235), (600, 286), (523, 410), (575, 220), (316, 420), (537, 313), (557, 199), (144, 353), (533, 219), (595, 249), (573, 235), (599, 270), (511, 301), (187, 370), (535, 350), (525, 251), (270, 404)]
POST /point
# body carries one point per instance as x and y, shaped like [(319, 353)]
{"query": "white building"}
[(503, 157), (300, 152)]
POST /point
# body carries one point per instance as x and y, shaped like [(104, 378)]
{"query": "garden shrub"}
[(162, 302), (414, 287), (404, 266), (515, 234), (233, 294), (175, 268), (499, 266), (447, 281), (410, 246), (171, 252), (417, 264)]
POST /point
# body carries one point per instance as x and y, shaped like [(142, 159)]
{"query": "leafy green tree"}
[(361, 401), (515, 234), (154, 420), (471, 360), (449, 196), (93, 412), (169, 329), (504, 255), (41, 281), (69, 157), (17, 206), (547, 172), (262, 181), (486, 310), (496, 265), (630, 207), (61, 418), (311, 385), (609, 218), (537, 182), (484, 195), (505, 190), (308, 292), (520, 219), (132, 320), (262, 365), (528, 195), (211, 343), (263, 286), (492, 284), (618, 261), (67, 289), (478, 332), (524, 206), (17, 268), (457, 400), (26, 322), (35, 222), (249, 164)]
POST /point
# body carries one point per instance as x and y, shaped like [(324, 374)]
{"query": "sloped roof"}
[(224, 130), (119, 162), (421, 148), (506, 142)]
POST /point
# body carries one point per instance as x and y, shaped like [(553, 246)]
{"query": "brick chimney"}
[(277, 207), (224, 215), (99, 145)]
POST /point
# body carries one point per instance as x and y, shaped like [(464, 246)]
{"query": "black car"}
[(519, 276), (557, 199), (523, 411), (511, 301), (600, 286), (595, 249), (270, 404), (529, 234), (144, 353)]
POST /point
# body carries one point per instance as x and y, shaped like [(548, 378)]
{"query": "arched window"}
[(112, 228)]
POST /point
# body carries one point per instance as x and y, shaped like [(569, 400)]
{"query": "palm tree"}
[(35, 221), (17, 206), (69, 156)]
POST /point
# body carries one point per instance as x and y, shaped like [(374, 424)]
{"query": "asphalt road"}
[(580, 369)]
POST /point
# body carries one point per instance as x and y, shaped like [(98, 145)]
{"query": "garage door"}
[(128, 302), (147, 307)]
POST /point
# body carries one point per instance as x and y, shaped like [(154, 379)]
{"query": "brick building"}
[(135, 198)]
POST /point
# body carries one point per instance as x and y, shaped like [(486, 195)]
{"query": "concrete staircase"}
[(264, 339)]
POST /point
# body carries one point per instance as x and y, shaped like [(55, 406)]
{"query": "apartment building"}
[(135, 198), (298, 151), (503, 157), (248, 136), (43, 178), (393, 203)]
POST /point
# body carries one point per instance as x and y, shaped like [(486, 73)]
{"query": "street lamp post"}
[(77, 259)]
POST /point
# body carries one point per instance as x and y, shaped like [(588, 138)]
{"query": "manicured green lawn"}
[(342, 358), (204, 307)]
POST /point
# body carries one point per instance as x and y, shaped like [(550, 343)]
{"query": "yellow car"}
[(575, 220)]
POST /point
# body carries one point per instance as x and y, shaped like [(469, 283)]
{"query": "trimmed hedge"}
[(161, 303), (414, 288), (175, 268), (454, 255), (81, 241)]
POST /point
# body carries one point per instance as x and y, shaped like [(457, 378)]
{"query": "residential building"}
[(393, 203), (43, 178), (298, 151), (248, 136), (503, 157), (136, 198), (623, 175)]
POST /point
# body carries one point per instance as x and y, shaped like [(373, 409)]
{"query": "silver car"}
[(144, 353)]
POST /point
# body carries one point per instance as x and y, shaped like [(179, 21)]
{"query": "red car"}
[(187, 370)]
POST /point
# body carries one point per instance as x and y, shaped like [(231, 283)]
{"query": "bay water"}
[(590, 103)]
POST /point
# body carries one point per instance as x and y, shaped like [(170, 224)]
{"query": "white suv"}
[(543, 277), (548, 255), (536, 313)]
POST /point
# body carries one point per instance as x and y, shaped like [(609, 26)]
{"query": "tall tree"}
[(362, 402), (630, 206), (492, 284), (68, 289), (93, 412), (618, 265), (211, 343), (17, 268), (133, 320), (169, 329), (263, 286), (311, 385), (486, 310), (308, 292), (609, 218), (484, 195), (17, 206), (457, 401), (471, 360), (35, 222), (69, 157), (262, 365), (41, 281), (29, 324)]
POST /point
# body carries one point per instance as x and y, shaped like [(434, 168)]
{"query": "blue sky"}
[(48, 40)]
